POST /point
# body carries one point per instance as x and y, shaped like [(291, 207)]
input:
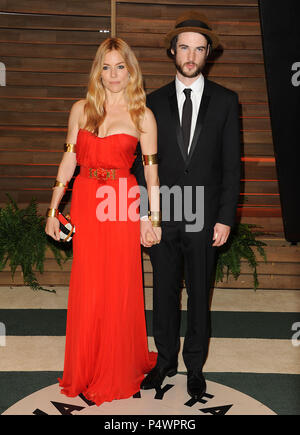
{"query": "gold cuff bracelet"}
[(70, 148), (156, 223), (60, 184), (52, 212), (150, 159), (155, 218)]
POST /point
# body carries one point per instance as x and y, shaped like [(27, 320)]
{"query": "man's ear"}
[(172, 52)]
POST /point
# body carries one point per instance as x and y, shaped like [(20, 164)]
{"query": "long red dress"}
[(106, 353)]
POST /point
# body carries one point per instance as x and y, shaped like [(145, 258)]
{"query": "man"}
[(198, 145)]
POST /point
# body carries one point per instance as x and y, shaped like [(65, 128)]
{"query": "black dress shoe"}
[(196, 385), (155, 378)]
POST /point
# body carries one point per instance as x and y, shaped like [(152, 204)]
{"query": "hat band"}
[(193, 23)]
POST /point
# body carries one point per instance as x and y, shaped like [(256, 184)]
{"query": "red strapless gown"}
[(106, 354)]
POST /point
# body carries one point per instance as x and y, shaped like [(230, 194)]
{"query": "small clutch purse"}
[(67, 229)]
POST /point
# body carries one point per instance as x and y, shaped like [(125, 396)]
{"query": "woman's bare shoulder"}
[(149, 113), (78, 106), (77, 112), (149, 118)]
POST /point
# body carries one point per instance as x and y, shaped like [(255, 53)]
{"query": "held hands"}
[(149, 235), (221, 233), (52, 228), (152, 235)]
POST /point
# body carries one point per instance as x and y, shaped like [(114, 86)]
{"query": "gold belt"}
[(104, 173)]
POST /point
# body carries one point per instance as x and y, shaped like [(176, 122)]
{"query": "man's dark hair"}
[(174, 45)]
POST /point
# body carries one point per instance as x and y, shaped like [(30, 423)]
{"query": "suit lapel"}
[(176, 122), (200, 119)]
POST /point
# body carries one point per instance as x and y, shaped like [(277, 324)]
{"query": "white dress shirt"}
[(196, 95)]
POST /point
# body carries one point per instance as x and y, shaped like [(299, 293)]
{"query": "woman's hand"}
[(149, 235), (157, 231), (52, 227)]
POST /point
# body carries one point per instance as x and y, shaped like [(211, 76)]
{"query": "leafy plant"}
[(238, 247), (23, 242)]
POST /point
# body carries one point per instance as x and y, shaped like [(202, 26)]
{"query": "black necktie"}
[(187, 118)]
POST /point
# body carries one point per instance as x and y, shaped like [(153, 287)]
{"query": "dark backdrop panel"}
[(281, 44)]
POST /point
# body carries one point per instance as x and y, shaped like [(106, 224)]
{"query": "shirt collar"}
[(196, 86)]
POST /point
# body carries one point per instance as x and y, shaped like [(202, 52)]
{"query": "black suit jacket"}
[(214, 157)]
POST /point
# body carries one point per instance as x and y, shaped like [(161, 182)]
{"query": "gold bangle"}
[(156, 223), (155, 218), (151, 159), (155, 215), (60, 184), (70, 148), (52, 212)]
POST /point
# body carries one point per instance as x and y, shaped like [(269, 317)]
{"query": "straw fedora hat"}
[(192, 21)]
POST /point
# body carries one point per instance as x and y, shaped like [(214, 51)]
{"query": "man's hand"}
[(149, 235), (221, 233)]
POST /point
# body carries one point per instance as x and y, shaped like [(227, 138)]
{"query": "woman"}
[(106, 353)]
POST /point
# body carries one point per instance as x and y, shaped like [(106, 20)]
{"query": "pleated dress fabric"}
[(106, 351)]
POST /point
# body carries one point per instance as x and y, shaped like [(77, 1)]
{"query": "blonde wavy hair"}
[(135, 95)]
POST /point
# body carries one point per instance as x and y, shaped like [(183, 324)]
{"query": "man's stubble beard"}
[(196, 73)]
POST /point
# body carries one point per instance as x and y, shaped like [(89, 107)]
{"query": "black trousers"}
[(191, 254)]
